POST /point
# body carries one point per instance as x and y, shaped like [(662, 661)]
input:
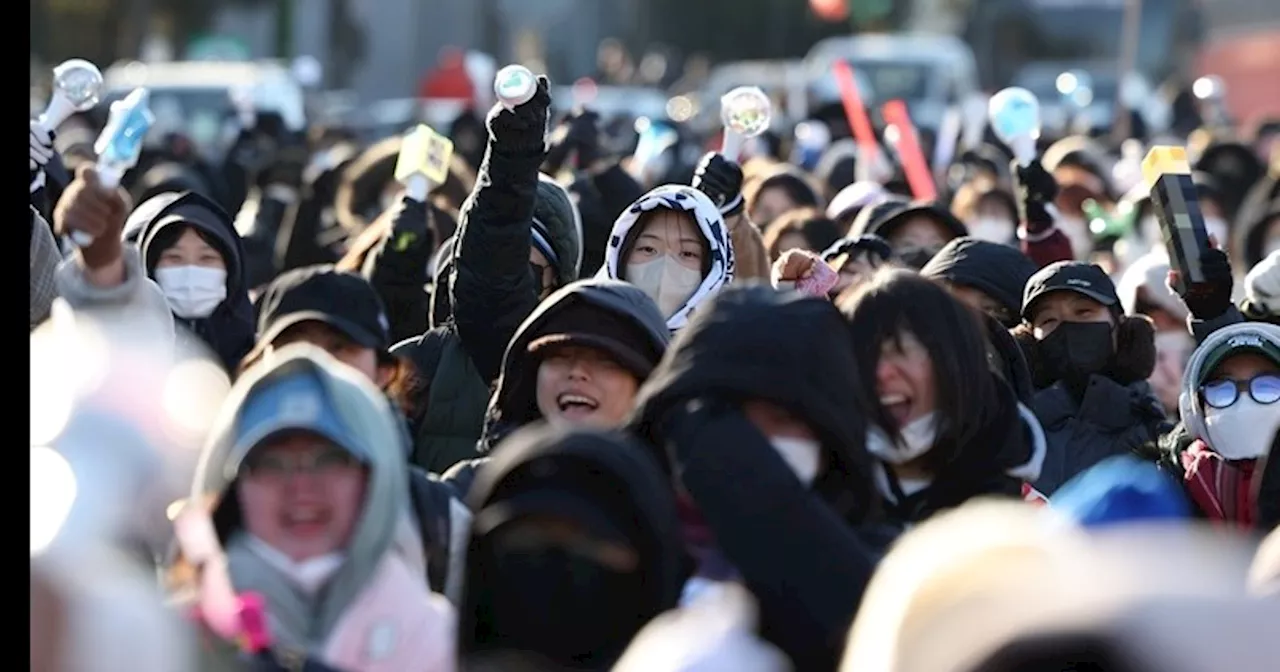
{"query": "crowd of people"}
[(567, 411)]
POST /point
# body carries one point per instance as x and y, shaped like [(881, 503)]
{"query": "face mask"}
[(668, 283), (1244, 430), (802, 455), (193, 291), (309, 575), (1077, 232), (917, 257), (1076, 350), (992, 229), (1216, 227), (917, 437)]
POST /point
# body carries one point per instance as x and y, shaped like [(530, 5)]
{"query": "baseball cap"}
[(342, 300), (586, 325), (1074, 276), (299, 399), (1246, 341)]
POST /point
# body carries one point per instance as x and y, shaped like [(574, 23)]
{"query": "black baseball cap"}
[(342, 300), (1073, 276)]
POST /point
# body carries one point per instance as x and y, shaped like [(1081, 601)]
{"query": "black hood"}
[(1235, 168), (752, 342), (884, 223), (997, 270), (604, 482), (229, 329), (1249, 233), (514, 402)]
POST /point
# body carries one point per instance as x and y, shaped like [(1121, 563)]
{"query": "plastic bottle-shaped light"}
[(745, 113), (77, 84), (1015, 119), (514, 85), (120, 143)]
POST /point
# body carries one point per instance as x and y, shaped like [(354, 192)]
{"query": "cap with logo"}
[(342, 300), (1072, 276), (1235, 345)]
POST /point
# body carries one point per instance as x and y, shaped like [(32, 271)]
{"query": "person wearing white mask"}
[(757, 413), (946, 428), (1230, 412), (191, 249), (672, 244)]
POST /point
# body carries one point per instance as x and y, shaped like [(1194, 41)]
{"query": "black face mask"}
[(559, 604), (917, 257), (1076, 350)]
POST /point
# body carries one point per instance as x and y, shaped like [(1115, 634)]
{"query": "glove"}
[(1211, 298), (579, 132), (409, 226), (1262, 288), (721, 180), (805, 272), (41, 153), (522, 130), (1036, 189), (88, 207)]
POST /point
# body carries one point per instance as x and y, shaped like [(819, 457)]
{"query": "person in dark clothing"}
[(311, 233), (519, 239), (573, 550), (756, 412), (989, 277), (576, 361), (916, 232), (190, 248), (946, 428), (1090, 364)]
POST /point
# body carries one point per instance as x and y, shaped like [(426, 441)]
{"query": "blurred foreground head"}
[(1002, 586)]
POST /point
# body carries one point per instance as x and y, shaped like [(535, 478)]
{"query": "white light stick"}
[(514, 85), (745, 113), (1015, 118), (77, 84)]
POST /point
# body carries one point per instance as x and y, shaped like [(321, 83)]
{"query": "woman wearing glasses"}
[(1229, 407)]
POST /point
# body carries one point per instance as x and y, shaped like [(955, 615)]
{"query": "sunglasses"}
[(1263, 388)]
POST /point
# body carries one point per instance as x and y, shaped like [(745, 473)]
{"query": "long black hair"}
[(897, 301)]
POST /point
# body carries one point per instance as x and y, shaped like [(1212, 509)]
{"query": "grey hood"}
[(513, 402), (367, 415), (1241, 334)]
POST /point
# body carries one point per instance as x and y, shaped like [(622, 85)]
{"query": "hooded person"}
[(191, 249), (916, 231), (673, 245), (574, 548), (576, 361), (762, 431), (987, 276), (1230, 413), (519, 239), (305, 487), (1090, 364)]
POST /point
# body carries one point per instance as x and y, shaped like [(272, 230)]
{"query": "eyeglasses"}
[(1263, 388), (276, 465)]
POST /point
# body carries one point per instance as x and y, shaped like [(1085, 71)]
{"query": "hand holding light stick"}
[(514, 85), (1177, 207), (120, 144), (77, 84), (746, 113), (1015, 118)]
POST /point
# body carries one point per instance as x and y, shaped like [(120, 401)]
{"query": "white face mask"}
[(802, 455), (1217, 227), (917, 438), (192, 291), (992, 229), (1244, 430), (668, 283), (310, 575), (1077, 231)]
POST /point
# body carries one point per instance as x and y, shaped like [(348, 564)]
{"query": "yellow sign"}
[(1164, 160), (424, 152)]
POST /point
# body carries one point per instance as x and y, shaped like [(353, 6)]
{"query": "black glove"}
[(579, 132), (721, 180), (1211, 298), (1036, 189), (410, 226), (522, 130)]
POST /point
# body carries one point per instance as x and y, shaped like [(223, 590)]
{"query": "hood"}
[(997, 270), (605, 482), (753, 342), (365, 414), (1250, 231), (513, 403), (153, 216), (710, 224), (1240, 335), (885, 224), (556, 219), (1150, 273)]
